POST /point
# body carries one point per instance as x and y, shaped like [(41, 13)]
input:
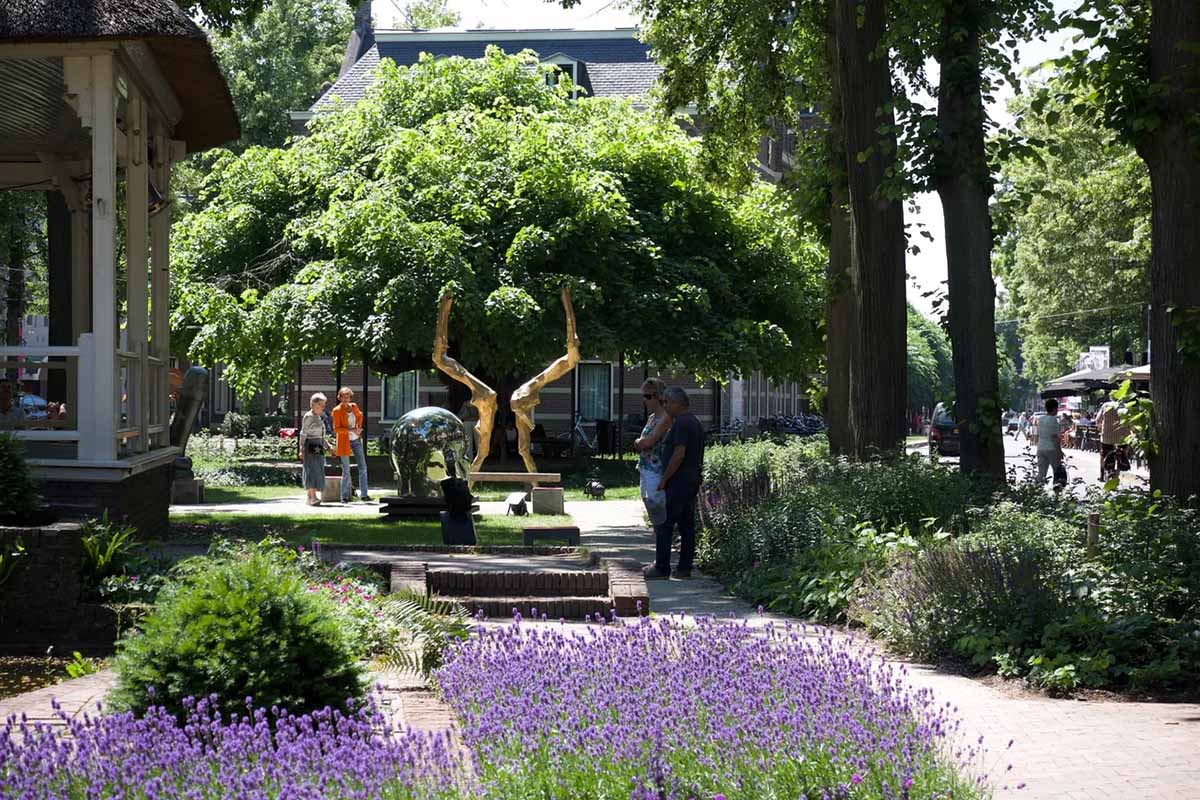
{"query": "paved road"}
[(1062, 749), (1083, 468)]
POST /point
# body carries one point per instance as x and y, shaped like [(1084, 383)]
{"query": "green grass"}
[(243, 494), (620, 479), (357, 529)]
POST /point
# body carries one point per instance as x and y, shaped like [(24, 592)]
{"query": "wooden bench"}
[(516, 477), (535, 533)]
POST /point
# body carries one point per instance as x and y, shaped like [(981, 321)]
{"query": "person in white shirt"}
[(1047, 439)]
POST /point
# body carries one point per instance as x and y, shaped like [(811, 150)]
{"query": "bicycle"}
[(578, 437)]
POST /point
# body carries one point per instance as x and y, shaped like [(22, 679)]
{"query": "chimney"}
[(362, 38)]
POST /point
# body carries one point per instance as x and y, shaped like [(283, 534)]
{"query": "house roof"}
[(179, 47), (613, 62)]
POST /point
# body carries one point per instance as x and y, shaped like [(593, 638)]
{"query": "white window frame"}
[(577, 372), (562, 61)]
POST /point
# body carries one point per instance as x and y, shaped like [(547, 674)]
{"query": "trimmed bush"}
[(238, 629), (19, 499)]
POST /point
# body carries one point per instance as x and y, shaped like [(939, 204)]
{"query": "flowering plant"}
[(658, 710)]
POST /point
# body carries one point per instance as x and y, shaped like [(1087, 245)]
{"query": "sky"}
[(926, 270)]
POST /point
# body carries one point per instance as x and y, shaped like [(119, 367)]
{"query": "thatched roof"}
[(178, 44)]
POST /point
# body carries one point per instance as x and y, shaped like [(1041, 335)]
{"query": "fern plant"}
[(430, 624), (107, 548)]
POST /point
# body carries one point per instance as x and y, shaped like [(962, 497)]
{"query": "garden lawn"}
[(356, 529)]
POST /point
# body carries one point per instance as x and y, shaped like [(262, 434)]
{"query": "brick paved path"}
[(405, 699), (1062, 749)]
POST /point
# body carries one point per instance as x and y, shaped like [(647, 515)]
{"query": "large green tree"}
[(277, 63), (427, 14), (1074, 249), (476, 174), (745, 65), (1141, 61)]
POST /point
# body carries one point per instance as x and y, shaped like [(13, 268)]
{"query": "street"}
[(1083, 467)]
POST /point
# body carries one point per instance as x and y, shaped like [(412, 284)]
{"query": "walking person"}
[(684, 447), (348, 429), (313, 445), (1047, 438), (650, 447)]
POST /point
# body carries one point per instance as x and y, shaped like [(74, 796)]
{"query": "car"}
[(943, 432), (33, 406), (1014, 422)]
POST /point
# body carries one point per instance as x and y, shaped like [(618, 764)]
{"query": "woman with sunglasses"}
[(649, 445)]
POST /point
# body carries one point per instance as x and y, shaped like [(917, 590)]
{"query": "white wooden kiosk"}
[(97, 99)]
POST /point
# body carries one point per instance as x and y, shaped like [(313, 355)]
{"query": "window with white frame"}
[(595, 391), (399, 395), (564, 65)]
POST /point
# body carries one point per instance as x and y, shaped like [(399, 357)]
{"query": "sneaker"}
[(368, 499), (345, 500), (652, 573), (682, 574)]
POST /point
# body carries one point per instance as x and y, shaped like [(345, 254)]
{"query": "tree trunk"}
[(877, 385), (964, 185), (1174, 163), (839, 300)]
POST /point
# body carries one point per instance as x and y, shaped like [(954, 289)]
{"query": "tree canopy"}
[(275, 63), (1074, 250), (480, 175)]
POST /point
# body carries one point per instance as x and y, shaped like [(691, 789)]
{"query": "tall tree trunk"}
[(839, 299), (1173, 159), (964, 185), (878, 382)]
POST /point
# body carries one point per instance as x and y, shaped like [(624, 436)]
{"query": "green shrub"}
[(240, 628), (238, 425), (19, 498)]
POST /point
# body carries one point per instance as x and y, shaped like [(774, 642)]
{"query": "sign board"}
[(1094, 358)]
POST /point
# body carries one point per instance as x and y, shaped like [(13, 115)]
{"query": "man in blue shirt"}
[(684, 449)]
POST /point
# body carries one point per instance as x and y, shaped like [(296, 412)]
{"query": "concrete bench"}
[(541, 533)]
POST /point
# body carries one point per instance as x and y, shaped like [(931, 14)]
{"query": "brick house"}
[(605, 63)]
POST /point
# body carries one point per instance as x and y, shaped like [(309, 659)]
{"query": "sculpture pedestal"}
[(548, 500), (187, 492), (396, 507)]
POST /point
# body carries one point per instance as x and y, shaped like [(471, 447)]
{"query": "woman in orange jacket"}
[(348, 428)]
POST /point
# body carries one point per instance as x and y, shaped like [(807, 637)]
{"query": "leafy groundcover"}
[(651, 709)]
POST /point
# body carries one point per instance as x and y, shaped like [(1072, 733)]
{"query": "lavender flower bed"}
[(326, 754), (657, 711), (645, 711)]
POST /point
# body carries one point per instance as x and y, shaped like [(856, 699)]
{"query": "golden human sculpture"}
[(483, 397), (525, 398)]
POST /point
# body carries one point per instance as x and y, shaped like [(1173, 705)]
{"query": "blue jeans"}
[(681, 511), (360, 455)]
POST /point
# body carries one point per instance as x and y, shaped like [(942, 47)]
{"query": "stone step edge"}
[(517, 583)]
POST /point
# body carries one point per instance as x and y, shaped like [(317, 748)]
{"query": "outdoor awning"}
[(1086, 381)]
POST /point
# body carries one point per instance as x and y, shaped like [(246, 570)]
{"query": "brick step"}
[(500, 583), (570, 608)]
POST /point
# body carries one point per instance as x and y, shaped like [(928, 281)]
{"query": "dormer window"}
[(563, 65)]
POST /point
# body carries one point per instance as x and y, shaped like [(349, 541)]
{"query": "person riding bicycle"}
[(1113, 431)]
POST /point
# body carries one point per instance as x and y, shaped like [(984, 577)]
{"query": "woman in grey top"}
[(313, 445)]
